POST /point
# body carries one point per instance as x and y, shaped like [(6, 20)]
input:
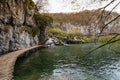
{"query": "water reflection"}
[(65, 63)]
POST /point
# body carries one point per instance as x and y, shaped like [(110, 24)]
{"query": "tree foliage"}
[(29, 3), (83, 18), (43, 20)]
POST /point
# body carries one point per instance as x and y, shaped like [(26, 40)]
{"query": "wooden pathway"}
[(8, 60)]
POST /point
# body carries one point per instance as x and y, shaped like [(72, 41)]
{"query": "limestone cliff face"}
[(86, 30), (15, 14), (87, 22)]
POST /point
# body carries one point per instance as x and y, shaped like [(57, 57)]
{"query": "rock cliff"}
[(14, 15), (88, 22)]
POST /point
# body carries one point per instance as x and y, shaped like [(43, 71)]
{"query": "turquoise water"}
[(68, 63)]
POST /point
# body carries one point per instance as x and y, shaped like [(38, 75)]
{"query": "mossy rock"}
[(32, 31)]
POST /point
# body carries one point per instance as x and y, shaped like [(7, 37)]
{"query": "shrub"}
[(56, 32), (86, 39), (107, 38), (100, 39), (75, 33)]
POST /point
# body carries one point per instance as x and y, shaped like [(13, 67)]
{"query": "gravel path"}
[(8, 60)]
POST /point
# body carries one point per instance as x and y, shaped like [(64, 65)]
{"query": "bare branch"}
[(41, 4), (108, 23), (112, 9), (107, 43), (107, 5)]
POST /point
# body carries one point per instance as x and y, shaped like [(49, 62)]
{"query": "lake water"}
[(68, 63)]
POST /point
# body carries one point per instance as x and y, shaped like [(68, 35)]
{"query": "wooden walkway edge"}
[(8, 60)]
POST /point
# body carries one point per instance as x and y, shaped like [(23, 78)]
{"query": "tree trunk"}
[(42, 35)]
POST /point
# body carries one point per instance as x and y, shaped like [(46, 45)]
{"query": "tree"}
[(42, 21), (41, 4)]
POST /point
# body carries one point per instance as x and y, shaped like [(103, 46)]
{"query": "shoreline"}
[(7, 62)]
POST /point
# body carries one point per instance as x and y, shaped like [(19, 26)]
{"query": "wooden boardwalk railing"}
[(8, 60)]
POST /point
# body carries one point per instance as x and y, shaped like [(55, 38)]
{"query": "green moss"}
[(35, 31), (32, 31)]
